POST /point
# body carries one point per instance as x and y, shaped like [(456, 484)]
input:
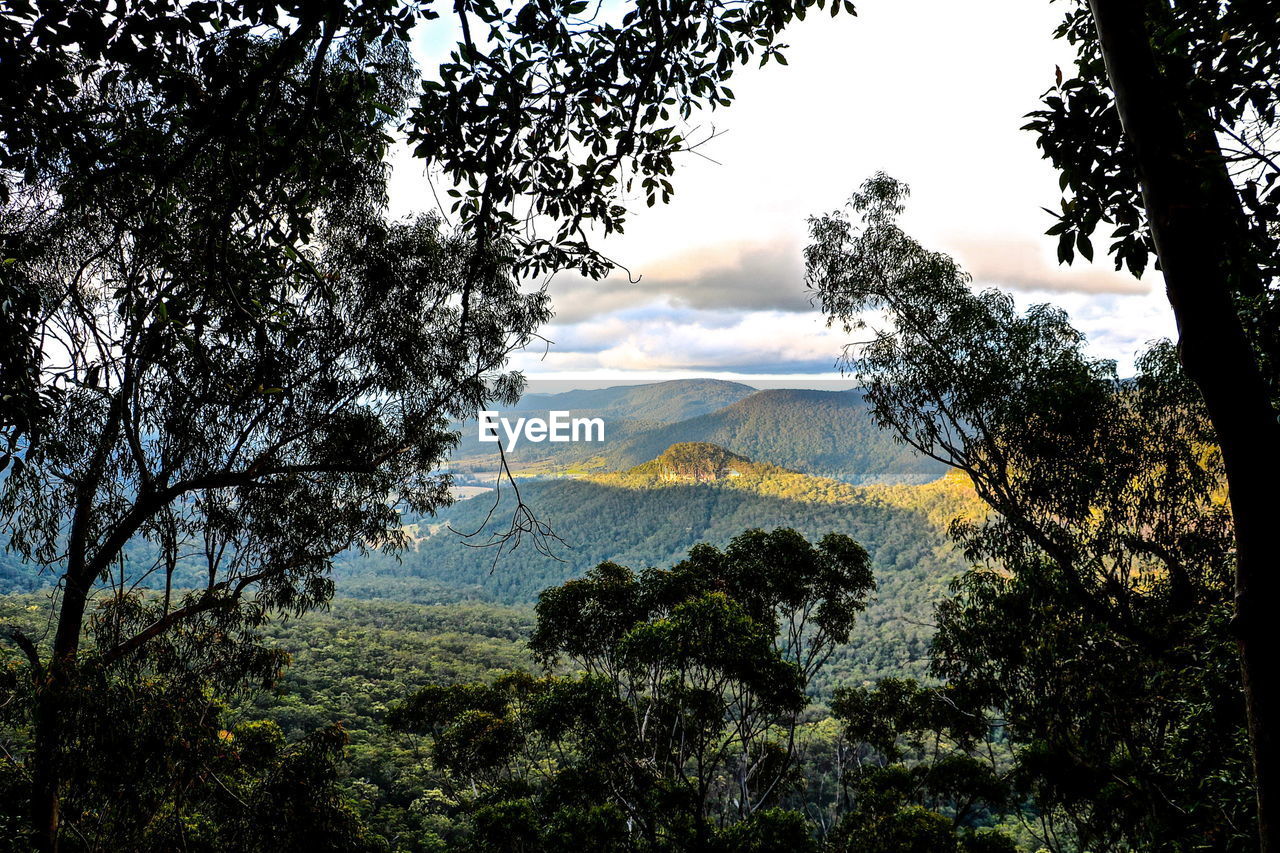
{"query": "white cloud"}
[(755, 342), (767, 275), (1025, 264)]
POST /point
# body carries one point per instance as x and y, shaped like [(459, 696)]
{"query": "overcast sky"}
[(930, 91)]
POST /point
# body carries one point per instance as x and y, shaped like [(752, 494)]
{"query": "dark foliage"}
[(1095, 619)]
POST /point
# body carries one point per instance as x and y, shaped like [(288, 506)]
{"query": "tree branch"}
[(23, 642)]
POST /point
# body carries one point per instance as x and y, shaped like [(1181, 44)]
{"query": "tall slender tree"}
[(679, 729), (1167, 131), (252, 380)]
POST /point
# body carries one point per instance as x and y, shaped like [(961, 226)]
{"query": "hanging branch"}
[(524, 523)]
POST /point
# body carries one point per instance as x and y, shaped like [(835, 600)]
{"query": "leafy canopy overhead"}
[(1228, 54), (562, 110), (545, 109)]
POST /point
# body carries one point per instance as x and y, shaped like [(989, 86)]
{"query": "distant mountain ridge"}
[(825, 433), (656, 402), (626, 409)]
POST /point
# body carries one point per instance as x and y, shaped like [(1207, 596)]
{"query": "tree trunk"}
[(46, 797), (50, 714), (1198, 240)]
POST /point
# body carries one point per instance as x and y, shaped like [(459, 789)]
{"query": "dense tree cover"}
[(903, 527), (1167, 130), (679, 726), (18, 576), (215, 343), (914, 769), (351, 664), (1095, 620), (858, 775), (182, 774), (347, 665)]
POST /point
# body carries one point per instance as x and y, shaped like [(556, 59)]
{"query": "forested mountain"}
[(653, 513), (447, 612), (828, 433), (655, 402), (626, 410)]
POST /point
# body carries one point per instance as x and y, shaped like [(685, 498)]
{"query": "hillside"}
[(827, 433), (690, 462), (653, 513), (940, 501), (655, 402), (626, 410)]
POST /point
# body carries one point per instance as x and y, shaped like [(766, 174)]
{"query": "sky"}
[(932, 92)]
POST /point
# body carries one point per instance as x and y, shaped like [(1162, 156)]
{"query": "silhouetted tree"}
[(1096, 618), (915, 771), (1167, 131), (256, 370)]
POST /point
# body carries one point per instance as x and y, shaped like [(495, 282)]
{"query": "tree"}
[(253, 381), (913, 775), (677, 731), (223, 353), (194, 779), (1167, 131), (547, 113), (1095, 618)]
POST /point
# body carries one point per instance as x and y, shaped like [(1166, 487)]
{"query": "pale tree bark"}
[(1196, 228)]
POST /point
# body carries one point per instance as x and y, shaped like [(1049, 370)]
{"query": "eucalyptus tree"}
[(1167, 132), (915, 771), (554, 113), (677, 729), (1095, 619), (255, 371)]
